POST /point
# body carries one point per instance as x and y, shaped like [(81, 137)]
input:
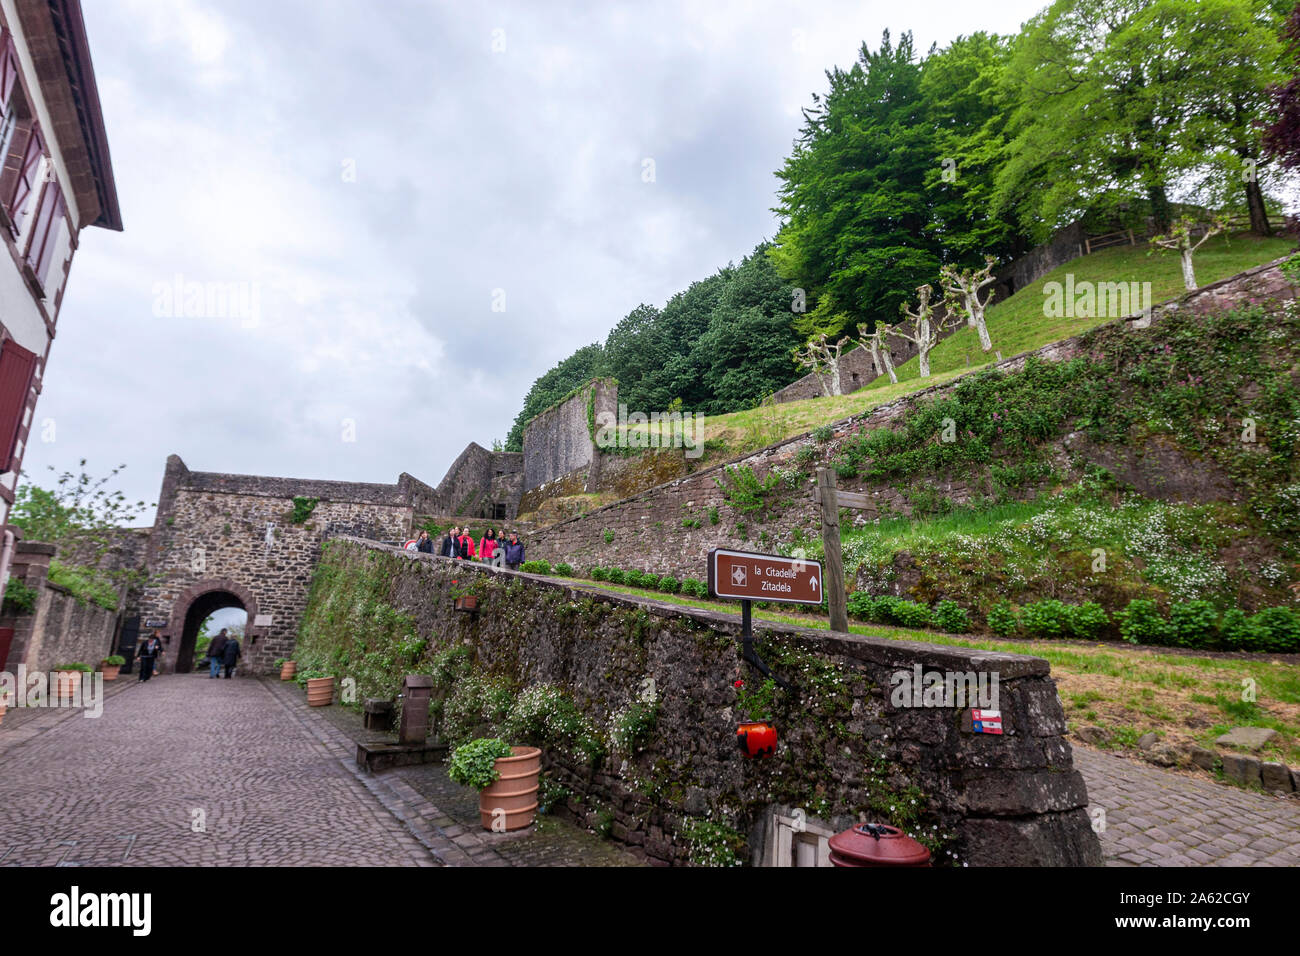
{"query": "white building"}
[(57, 179)]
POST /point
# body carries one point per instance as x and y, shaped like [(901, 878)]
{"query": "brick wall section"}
[(1011, 800), (60, 629), (647, 531)]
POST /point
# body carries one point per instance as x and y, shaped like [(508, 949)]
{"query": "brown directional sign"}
[(764, 577)]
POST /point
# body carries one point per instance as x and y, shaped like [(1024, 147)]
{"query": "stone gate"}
[(252, 542)]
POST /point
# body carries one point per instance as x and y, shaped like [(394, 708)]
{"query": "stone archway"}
[(193, 606)]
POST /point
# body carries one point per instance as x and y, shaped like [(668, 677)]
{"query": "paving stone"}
[(1251, 738), (1204, 823)]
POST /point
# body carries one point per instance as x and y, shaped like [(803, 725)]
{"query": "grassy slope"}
[(1015, 325), (1183, 697)]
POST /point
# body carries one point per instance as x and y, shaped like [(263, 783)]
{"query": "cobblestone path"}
[(129, 787), (1157, 818)]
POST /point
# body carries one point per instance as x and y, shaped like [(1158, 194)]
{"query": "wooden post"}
[(833, 571)]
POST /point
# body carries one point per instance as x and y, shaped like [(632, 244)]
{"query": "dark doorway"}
[(200, 610)]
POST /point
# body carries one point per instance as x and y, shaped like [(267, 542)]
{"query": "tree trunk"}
[(1258, 214), (834, 364), (889, 365), (1189, 276), (875, 359), (977, 320), (924, 342)]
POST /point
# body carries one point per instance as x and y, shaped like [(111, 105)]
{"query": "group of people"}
[(490, 549), (223, 650)]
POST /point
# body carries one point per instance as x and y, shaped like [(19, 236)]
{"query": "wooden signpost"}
[(749, 577), (833, 580)]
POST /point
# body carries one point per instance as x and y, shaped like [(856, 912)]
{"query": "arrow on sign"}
[(813, 582)]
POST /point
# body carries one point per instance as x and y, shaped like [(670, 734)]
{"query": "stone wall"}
[(477, 481), (646, 531), (210, 535), (60, 629), (559, 441), (846, 751)]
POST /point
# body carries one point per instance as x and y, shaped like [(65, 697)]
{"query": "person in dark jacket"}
[(216, 653), (149, 654), (448, 549), (230, 654), (514, 552), (425, 543), (467, 551)]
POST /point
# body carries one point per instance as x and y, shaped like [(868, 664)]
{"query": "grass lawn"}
[(1183, 697)]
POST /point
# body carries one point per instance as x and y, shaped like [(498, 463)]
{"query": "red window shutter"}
[(41, 249), (26, 180), (17, 365), (8, 71)]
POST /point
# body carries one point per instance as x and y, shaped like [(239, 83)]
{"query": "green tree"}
[(853, 194)]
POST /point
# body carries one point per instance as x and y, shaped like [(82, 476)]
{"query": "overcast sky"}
[(377, 175)]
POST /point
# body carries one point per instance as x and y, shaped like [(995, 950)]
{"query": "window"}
[(17, 365), (45, 230), (29, 151)]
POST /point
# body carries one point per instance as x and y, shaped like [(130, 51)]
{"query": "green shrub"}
[(545, 716), (694, 587), (951, 617), (474, 764), (1050, 618), (1087, 620), (1281, 627), (599, 574), (805, 457), (910, 614), (823, 434), (631, 727), (75, 666), (1194, 624), (608, 535), (1141, 623), (860, 605), (114, 660), (615, 576), (1240, 632), (563, 570), (1002, 619), (479, 703), (20, 596), (669, 584), (536, 567), (637, 579)]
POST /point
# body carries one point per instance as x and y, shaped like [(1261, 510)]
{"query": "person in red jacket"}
[(488, 546), (467, 546)]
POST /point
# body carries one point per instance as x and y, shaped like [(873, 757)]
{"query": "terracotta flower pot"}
[(3, 709), (287, 670), (320, 691), (515, 791), (66, 684), (111, 671), (469, 602)]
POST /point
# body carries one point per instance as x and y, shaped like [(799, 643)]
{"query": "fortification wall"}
[(848, 748), (559, 441)]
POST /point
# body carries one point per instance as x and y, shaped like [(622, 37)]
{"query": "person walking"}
[(230, 654), (448, 549), (217, 653), (514, 552), (149, 655), (488, 546)]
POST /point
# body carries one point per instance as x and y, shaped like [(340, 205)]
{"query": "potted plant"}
[(287, 668), (464, 599), (320, 688), (506, 778), (112, 666), (68, 678)]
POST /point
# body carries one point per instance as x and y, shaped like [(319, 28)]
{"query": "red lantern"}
[(756, 738)]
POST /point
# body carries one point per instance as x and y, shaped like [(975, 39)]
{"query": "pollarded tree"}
[(1180, 237), (822, 358), (961, 290), (877, 342), (925, 328)]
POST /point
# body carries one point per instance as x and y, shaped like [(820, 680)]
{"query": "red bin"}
[(876, 844), (757, 738)]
